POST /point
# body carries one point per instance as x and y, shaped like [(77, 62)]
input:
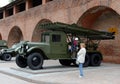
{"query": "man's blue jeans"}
[(81, 69)]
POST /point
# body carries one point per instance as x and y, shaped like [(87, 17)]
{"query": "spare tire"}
[(96, 59)]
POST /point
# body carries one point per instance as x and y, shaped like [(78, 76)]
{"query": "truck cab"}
[(57, 44)]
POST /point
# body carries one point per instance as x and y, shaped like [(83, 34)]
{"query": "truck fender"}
[(37, 49)]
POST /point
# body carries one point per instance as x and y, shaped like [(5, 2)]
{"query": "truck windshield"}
[(45, 38)]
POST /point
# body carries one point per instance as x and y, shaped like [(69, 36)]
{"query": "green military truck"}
[(55, 45), (6, 54)]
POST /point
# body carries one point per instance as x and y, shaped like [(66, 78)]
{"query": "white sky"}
[(3, 2)]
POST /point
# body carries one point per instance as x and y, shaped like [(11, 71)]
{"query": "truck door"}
[(58, 44)]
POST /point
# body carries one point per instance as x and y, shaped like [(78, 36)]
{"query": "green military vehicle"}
[(55, 45), (3, 44), (7, 53)]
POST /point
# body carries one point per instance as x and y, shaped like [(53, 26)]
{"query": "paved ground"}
[(54, 73)]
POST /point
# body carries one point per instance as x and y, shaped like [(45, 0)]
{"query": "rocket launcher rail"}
[(77, 30)]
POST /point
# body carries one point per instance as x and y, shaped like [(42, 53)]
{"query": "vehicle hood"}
[(38, 44)]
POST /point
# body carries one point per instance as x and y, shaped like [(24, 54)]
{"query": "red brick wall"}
[(110, 49)]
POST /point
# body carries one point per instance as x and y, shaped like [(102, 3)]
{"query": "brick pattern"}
[(110, 49)]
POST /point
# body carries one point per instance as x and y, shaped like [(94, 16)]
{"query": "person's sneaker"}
[(80, 76)]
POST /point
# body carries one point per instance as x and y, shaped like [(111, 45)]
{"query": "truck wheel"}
[(96, 60), (74, 62), (87, 61), (65, 62), (7, 57), (1, 58), (35, 61), (21, 61)]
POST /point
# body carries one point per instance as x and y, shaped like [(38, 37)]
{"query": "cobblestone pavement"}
[(54, 73)]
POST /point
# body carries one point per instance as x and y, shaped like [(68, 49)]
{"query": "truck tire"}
[(96, 59), (35, 61), (87, 61), (65, 62), (1, 58), (7, 57), (74, 62), (21, 61)]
